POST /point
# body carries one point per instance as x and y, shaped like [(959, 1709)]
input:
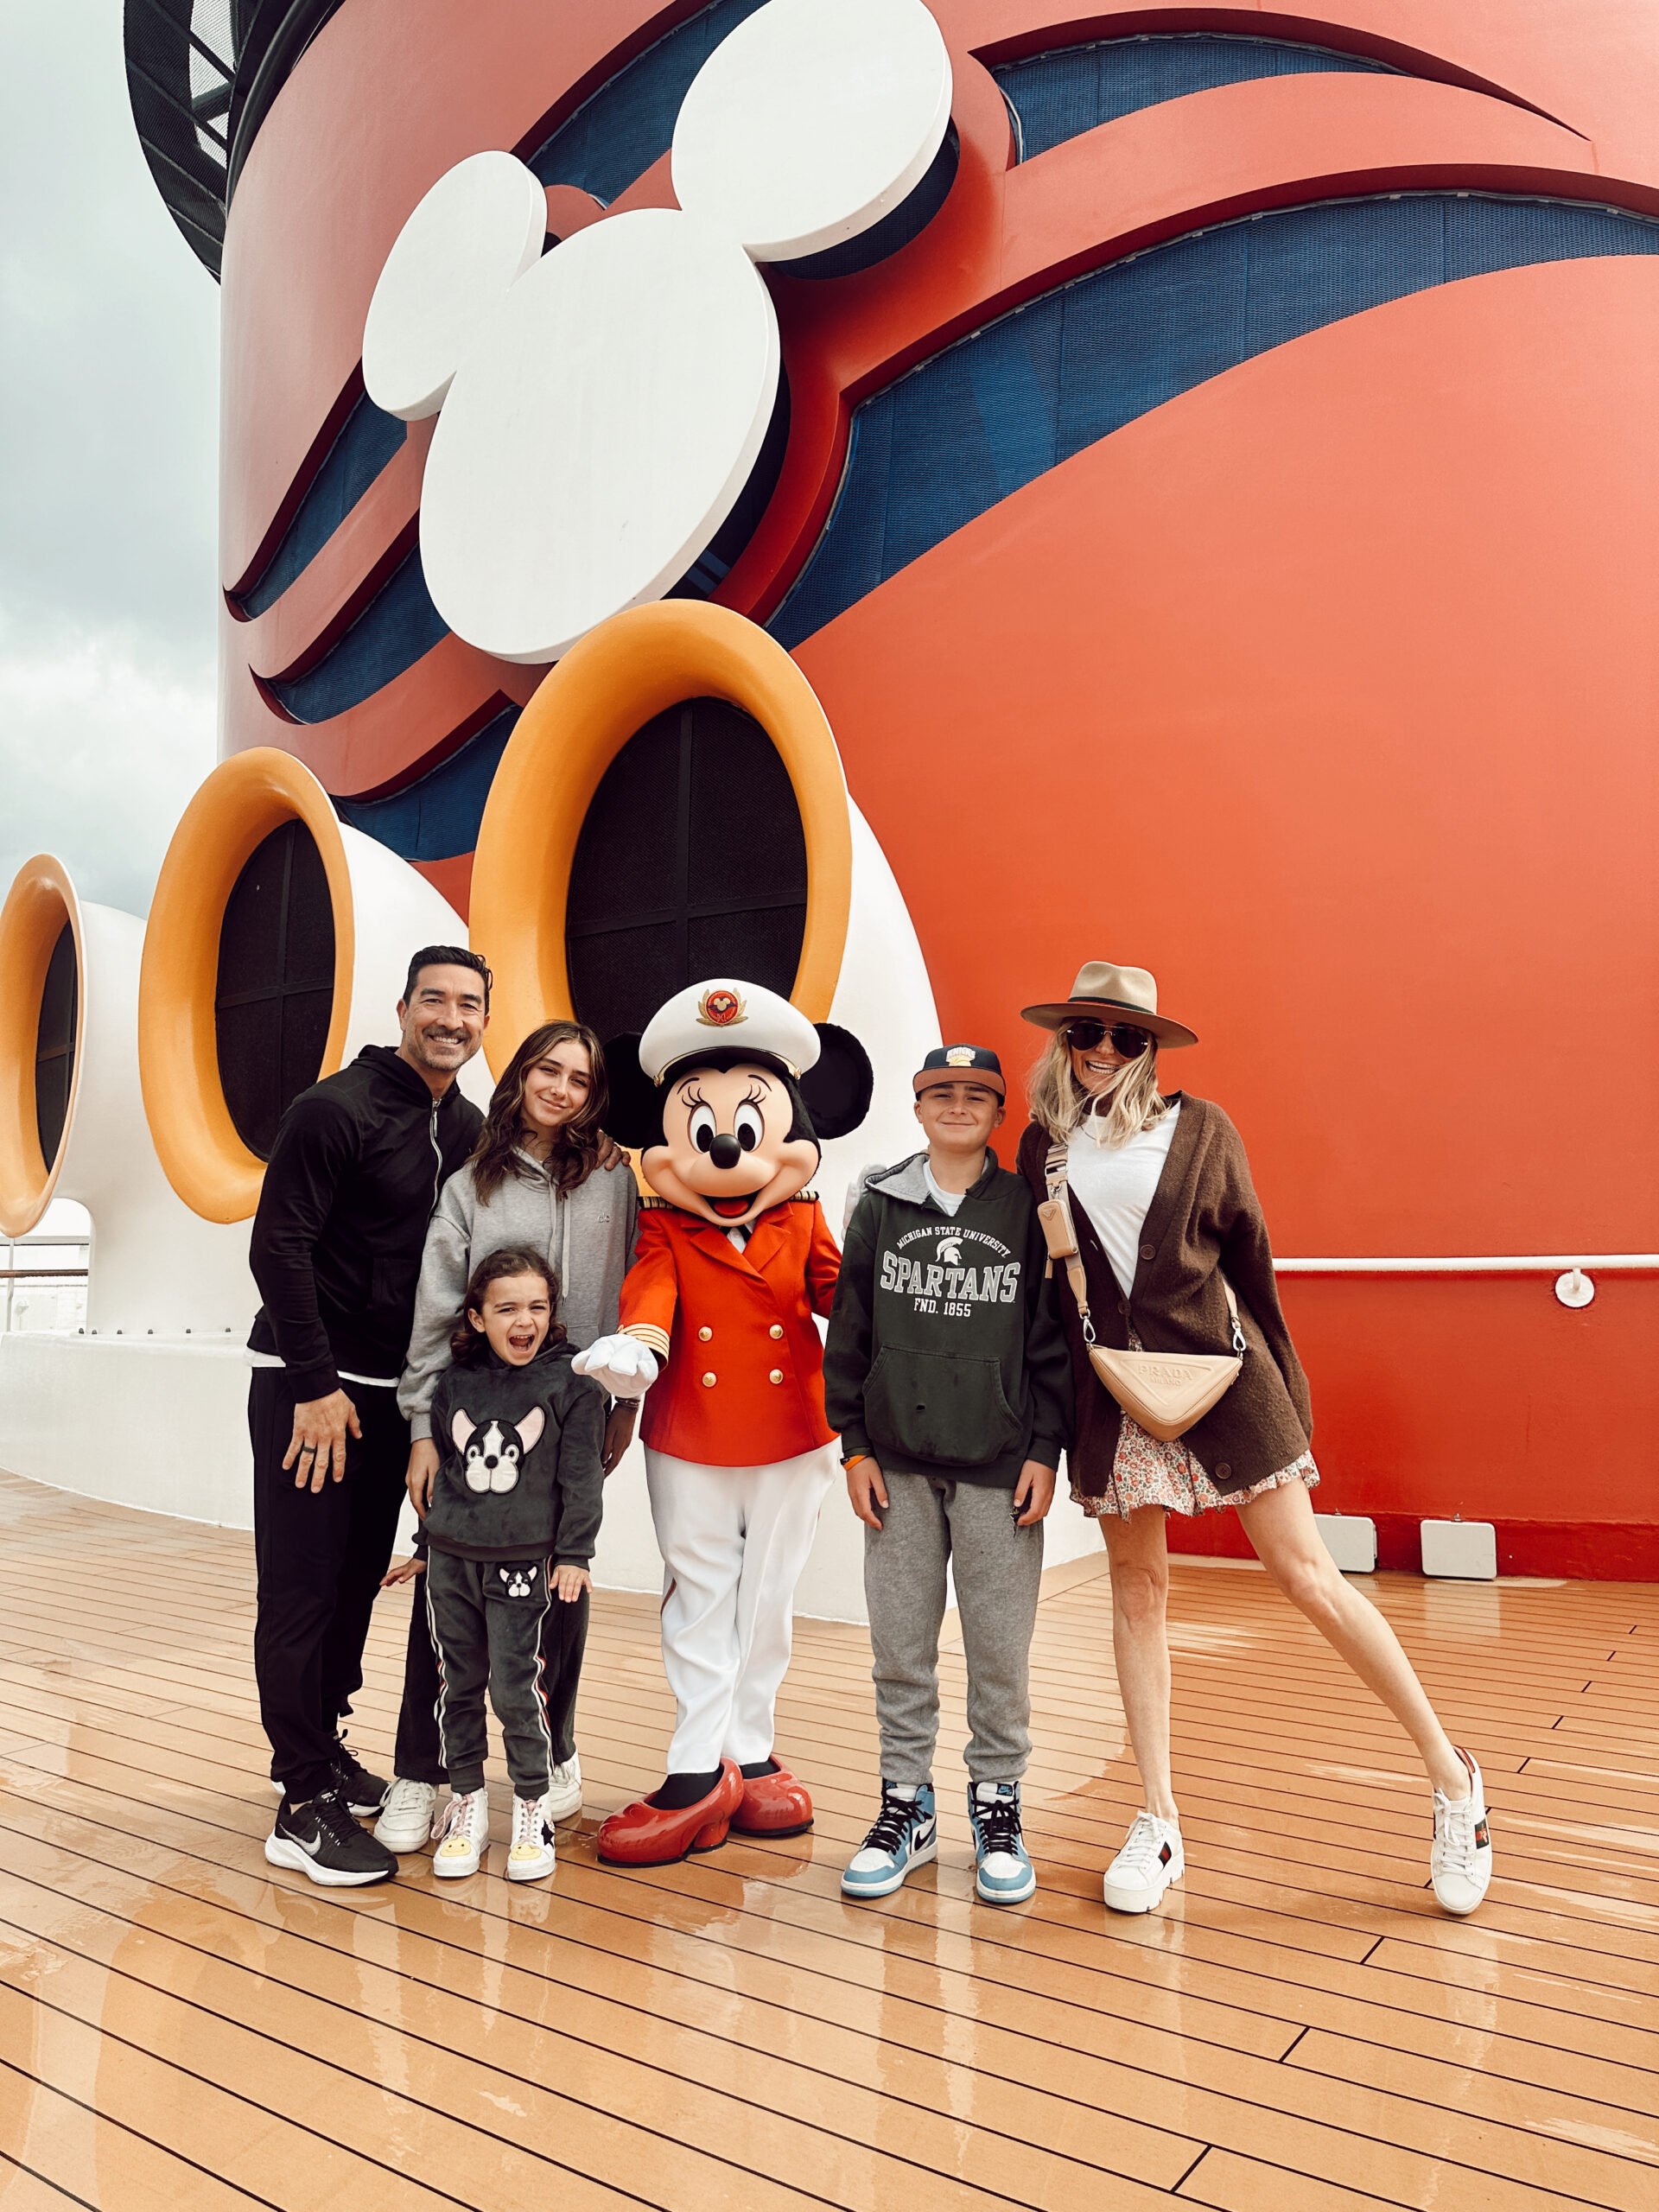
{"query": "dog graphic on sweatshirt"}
[(491, 1454)]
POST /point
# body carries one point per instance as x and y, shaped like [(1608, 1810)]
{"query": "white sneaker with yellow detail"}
[(531, 1854), (462, 1835)]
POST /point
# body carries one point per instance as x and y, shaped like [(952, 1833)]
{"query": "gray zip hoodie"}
[(585, 1234)]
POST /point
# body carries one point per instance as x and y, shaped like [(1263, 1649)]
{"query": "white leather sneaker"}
[(1460, 1860), (1152, 1858), (463, 1834), (531, 1853), (407, 1817), (564, 1798)]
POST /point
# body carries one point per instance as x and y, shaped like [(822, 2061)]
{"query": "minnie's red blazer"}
[(743, 1386)]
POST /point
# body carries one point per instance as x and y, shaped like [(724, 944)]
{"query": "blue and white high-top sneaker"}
[(905, 1834), (1003, 1873)]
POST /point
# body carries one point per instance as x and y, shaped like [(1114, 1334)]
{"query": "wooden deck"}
[(182, 2028)]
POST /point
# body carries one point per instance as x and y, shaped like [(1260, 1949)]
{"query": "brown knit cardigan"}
[(1203, 1216)]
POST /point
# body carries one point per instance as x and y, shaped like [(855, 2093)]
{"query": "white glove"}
[(621, 1365)]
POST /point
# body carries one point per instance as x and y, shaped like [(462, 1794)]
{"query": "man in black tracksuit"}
[(357, 1164), (948, 1377)]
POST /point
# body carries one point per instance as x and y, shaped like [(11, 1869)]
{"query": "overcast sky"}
[(109, 331)]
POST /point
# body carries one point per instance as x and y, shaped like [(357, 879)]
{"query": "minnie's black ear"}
[(837, 1091), (634, 1116)]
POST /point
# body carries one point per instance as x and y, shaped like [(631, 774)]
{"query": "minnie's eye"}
[(701, 1127), (748, 1128)]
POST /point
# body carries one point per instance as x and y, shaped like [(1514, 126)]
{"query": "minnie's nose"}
[(724, 1151)]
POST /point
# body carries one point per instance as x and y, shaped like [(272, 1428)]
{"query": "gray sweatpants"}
[(931, 1520), (486, 1618)]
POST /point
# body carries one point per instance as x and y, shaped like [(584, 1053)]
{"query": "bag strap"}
[(1059, 1190)]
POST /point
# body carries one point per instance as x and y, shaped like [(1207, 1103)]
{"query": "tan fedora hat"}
[(1111, 995)]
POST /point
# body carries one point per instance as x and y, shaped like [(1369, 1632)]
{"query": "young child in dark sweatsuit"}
[(510, 1527)]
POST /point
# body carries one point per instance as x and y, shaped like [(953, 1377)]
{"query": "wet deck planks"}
[(1300, 2031)]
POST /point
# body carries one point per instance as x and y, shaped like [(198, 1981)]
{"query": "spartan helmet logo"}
[(950, 1251)]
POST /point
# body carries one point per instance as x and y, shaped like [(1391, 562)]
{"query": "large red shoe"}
[(773, 1804), (646, 1835)]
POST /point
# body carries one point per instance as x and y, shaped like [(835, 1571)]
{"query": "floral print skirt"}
[(1148, 1471)]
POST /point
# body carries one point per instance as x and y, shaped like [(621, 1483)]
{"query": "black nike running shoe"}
[(320, 1839)]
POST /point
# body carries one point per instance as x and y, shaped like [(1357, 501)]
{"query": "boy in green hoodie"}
[(947, 1375)]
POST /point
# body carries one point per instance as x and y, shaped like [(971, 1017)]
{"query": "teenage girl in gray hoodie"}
[(546, 1178)]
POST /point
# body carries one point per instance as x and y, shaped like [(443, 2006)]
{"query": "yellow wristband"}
[(853, 1459)]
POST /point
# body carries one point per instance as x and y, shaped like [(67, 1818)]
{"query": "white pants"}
[(734, 1542)]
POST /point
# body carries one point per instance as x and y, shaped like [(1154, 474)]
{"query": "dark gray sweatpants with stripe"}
[(486, 1627)]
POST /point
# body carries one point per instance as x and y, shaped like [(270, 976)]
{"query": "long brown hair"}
[(468, 1343), (575, 1153)]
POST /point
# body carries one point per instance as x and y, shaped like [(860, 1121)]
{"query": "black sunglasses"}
[(1084, 1036)]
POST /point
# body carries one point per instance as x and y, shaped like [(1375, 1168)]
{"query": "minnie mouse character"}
[(733, 1261)]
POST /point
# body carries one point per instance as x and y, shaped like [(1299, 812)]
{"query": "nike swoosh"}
[(310, 1844)]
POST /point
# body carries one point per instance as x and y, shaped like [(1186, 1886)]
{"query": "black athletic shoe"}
[(364, 1792), (320, 1839)]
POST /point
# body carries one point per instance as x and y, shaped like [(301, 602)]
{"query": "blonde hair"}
[(1128, 1103)]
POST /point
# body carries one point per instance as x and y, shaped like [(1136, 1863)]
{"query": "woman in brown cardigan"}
[(1162, 1206)]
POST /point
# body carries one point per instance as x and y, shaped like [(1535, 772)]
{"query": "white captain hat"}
[(723, 1015)]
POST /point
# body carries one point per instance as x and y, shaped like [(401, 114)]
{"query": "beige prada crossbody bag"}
[(1164, 1391)]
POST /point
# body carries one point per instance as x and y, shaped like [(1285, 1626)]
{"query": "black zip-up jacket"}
[(945, 1350), (354, 1173), (520, 1472)]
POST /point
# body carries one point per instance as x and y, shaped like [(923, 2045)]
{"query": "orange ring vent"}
[(41, 899), (241, 803), (607, 688)]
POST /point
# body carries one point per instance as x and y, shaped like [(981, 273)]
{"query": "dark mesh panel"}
[(1058, 95), (55, 1044), (628, 122), (367, 441), (275, 993), (691, 863), (746, 840), (630, 837), (762, 947), (993, 411), (617, 981), (398, 625), (439, 814)]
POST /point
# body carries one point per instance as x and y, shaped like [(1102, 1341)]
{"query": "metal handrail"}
[(1508, 1263)]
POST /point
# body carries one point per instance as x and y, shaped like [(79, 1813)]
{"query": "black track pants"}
[(564, 1638), (319, 1557), (486, 1622)]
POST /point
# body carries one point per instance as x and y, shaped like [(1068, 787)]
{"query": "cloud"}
[(102, 742), (108, 458)]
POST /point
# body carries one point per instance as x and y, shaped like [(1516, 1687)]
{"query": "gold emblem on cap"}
[(959, 1056), (719, 1007)]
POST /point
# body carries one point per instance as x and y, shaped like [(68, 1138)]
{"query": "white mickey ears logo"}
[(477, 231), (604, 404), (812, 121)]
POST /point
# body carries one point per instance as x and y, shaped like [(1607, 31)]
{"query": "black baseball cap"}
[(960, 1064)]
